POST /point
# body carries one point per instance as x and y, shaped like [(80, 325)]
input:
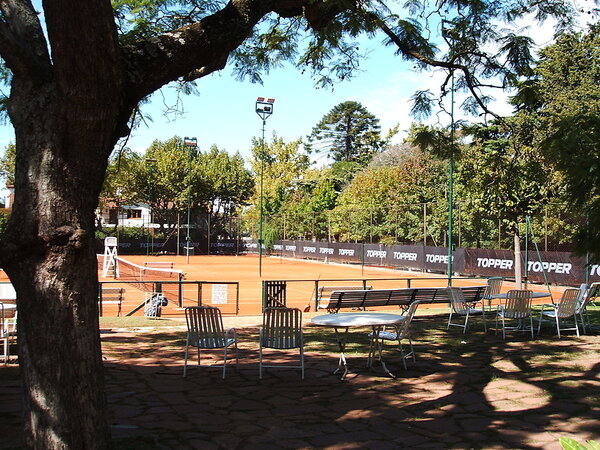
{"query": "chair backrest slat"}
[(458, 300), (282, 328), (404, 326), (568, 303), (494, 284), (518, 304), (205, 326)]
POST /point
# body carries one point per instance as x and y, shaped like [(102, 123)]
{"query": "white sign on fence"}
[(219, 294)]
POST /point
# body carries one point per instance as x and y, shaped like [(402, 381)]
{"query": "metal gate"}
[(274, 294)]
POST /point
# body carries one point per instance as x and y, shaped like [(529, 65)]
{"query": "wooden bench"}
[(328, 290), (363, 299), (111, 296)]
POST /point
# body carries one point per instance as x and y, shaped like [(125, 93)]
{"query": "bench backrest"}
[(112, 294), (403, 297)]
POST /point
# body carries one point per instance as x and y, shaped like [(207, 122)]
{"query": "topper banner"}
[(557, 267)]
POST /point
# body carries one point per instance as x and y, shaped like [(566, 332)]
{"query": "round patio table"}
[(342, 322)]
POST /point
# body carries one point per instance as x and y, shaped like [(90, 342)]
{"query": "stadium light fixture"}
[(264, 109), (191, 143)]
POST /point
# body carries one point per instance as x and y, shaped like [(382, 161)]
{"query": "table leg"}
[(376, 330), (341, 340)]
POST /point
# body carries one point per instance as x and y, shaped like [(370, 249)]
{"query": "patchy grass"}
[(137, 322)]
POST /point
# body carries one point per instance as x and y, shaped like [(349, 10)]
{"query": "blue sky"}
[(223, 113)]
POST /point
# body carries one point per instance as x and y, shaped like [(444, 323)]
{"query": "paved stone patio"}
[(465, 391)]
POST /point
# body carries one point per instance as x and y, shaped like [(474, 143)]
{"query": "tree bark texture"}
[(71, 97)]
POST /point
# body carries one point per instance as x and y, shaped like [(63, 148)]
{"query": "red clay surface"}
[(244, 270)]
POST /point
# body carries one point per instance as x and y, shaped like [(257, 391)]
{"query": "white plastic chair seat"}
[(475, 311), (386, 335), (208, 343)]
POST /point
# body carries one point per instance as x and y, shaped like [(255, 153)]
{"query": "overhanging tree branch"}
[(19, 25)]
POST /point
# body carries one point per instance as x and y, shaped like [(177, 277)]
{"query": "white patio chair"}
[(517, 307), (205, 331), (398, 333), (494, 285), (586, 294), (565, 309), (8, 327), (281, 330), (460, 308)]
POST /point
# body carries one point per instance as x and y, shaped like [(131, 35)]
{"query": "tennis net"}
[(133, 272)]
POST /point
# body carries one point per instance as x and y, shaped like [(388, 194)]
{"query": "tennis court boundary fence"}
[(180, 294)]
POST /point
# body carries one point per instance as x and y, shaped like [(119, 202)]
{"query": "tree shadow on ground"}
[(464, 391)]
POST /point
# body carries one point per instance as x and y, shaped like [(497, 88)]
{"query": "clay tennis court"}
[(242, 295)]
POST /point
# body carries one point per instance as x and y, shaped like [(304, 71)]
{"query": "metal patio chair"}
[(494, 284), (586, 294), (459, 307), (281, 330), (205, 331), (565, 309), (398, 333), (517, 307)]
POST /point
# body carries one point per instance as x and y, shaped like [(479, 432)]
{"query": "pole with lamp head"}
[(447, 31), (264, 109), (150, 162), (191, 143)]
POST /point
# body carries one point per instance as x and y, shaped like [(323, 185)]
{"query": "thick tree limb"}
[(22, 42), (201, 48)]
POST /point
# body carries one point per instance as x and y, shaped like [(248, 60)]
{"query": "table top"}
[(533, 295), (357, 319)]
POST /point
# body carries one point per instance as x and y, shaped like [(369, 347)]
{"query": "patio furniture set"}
[(282, 327)]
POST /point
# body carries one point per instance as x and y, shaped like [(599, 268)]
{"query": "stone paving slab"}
[(471, 391)]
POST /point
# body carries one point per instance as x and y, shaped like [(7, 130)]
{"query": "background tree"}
[(348, 133), (564, 97), (7, 164), (229, 186), (384, 203), (306, 210), (505, 176), (282, 164)]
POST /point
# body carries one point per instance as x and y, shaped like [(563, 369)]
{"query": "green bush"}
[(572, 444), (4, 215)]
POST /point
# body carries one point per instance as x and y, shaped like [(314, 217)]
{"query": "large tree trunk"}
[(52, 263), (66, 118)]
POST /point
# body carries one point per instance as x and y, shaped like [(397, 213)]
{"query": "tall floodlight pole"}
[(446, 34), (190, 143), (264, 109), (150, 162)]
